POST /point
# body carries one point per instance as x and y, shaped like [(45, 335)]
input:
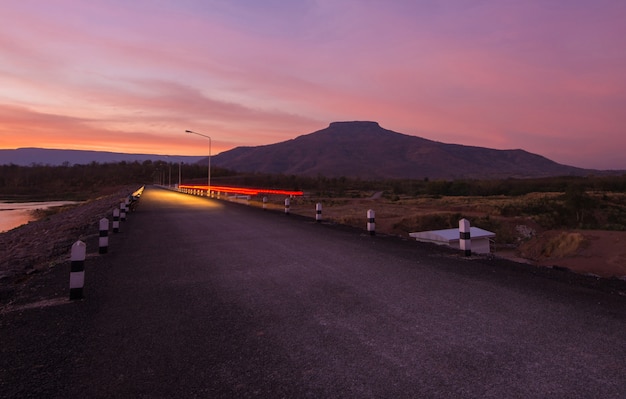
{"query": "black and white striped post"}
[(103, 240), (371, 222), (77, 270), (116, 220), (287, 202), (122, 212), (318, 212), (264, 203), (465, 239)]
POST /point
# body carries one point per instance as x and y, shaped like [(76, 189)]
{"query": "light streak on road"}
[(242, 190)]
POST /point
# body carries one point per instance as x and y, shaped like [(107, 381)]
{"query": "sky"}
[(546, 76)]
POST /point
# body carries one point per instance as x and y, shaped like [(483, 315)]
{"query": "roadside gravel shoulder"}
[(38, 246)]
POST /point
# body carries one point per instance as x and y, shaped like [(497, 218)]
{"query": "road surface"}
[(202, 298)]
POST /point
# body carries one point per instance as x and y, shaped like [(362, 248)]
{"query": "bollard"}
[(371, 224), (264, 203), (103, 241), (318, 212), (122, 212), (77, 270), (286, 206), (465, 240), (116, 220)]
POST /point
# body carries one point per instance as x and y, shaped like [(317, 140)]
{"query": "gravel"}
[(42, 244)]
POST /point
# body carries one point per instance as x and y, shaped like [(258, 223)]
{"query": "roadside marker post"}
[(103, 240), (264, 203), (371, 222), (116, 220), (287, 201), (465, 239), (318, 212), (122, 212), (77, 270)]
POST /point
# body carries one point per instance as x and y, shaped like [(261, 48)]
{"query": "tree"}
[(578, 202)]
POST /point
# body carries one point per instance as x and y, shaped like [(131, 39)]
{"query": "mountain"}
[(43, 156), (366, 150)]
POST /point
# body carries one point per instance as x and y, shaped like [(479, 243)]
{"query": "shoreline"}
[(16, 214), (42, 243)]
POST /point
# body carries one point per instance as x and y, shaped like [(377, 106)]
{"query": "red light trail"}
[(242, 190)]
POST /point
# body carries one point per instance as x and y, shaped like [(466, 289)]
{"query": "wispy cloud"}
[(134, 75)]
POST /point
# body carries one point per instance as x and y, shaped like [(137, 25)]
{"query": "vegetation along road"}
[(202, 298)]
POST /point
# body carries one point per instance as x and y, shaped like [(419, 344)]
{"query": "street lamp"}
[(180, 165), (208, 137)]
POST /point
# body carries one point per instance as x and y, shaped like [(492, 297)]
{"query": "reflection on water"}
[(14, 214)]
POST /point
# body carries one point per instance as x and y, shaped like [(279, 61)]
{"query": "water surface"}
[(14, 214)]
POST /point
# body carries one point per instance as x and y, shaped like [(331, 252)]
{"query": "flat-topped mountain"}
[(366, 150)]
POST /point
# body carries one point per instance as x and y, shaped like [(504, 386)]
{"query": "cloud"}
[(251, 74)]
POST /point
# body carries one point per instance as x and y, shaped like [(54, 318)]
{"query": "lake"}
[(14, 214)]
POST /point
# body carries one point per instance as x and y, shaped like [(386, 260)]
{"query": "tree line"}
[(82, 181)]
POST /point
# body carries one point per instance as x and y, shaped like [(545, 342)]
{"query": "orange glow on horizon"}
[(110, 76)]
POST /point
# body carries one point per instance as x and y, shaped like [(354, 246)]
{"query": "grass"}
[(514, 219)]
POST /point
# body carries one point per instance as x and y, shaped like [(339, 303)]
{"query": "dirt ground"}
[(601, 253)]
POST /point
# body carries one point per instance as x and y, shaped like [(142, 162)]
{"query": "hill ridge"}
[(26, 156), (364, 149)]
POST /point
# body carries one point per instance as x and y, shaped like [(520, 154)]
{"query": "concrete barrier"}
[(103, 240), (77, 270), (116, 220), (371, 222), (465, 239)]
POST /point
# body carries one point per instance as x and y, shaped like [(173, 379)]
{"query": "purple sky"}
[(132, 76)]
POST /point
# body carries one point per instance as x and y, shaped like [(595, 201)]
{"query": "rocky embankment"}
[(43, 243)]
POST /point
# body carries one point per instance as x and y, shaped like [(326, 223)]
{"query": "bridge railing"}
[(203, 190)]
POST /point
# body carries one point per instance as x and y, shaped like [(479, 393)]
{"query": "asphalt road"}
[(201, 298)]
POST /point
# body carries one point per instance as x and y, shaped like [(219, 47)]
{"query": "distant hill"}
[(42, 156), (366, 150)]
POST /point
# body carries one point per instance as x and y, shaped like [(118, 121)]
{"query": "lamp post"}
[(208, 137), (169, 181)]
